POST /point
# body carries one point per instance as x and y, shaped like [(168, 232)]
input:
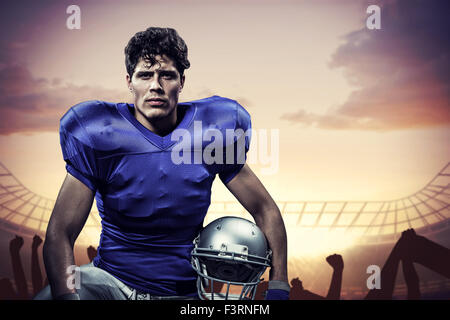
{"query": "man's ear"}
[(128, 78), (182, 79)]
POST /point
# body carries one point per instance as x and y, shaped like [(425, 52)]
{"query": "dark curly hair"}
[(156, 41)]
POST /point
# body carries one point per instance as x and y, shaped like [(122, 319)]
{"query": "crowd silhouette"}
[(7, 291), (409, 249), (299, 293), (21, 292)]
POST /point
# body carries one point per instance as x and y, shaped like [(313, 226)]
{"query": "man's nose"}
[(155, 84)]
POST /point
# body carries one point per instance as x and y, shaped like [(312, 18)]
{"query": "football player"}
[(151, 206)]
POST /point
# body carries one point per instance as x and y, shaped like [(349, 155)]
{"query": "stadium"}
[(363, 232)]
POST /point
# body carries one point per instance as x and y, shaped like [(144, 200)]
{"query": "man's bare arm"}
[(250, 192), (69, 215)]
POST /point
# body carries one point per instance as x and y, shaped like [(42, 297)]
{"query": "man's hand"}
[(336, 262)]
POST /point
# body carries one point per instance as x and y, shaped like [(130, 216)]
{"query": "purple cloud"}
[(30, 104), (402, 72)]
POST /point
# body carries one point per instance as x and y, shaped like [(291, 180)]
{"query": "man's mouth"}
[(155, 101)]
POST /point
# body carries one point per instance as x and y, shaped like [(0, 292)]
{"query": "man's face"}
[(156, 88)]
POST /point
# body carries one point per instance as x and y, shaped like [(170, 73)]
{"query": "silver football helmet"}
[(230, 251)]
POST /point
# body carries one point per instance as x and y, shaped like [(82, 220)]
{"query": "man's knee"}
[(81, 278), (91, 283), (44, 294)]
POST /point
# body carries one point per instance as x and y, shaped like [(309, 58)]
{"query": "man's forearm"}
[(272, 225), (58, 257), (250, 192)]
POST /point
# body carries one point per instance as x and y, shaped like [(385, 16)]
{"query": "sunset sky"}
[(362, 114)]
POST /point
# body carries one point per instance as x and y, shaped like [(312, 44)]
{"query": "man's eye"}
[(144, 75), (167, 76)]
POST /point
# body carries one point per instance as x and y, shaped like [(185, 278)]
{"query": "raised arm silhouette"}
[(337, 263), (409, 249), (36, 274), (426, 252), (334, 292), (19, 276)]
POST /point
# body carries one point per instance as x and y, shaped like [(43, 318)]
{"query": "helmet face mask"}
[(231, 252), (228, 271)]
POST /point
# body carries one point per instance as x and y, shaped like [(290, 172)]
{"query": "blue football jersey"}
[(152, 204)]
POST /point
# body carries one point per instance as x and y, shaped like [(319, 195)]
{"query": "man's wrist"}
[(278, 290), (279, 285)]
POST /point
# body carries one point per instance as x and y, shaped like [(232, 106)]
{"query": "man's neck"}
[(161, 127)]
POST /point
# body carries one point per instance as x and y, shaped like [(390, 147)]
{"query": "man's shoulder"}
[(216, 102), (94, 123), (89, 111), (220, 107)]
